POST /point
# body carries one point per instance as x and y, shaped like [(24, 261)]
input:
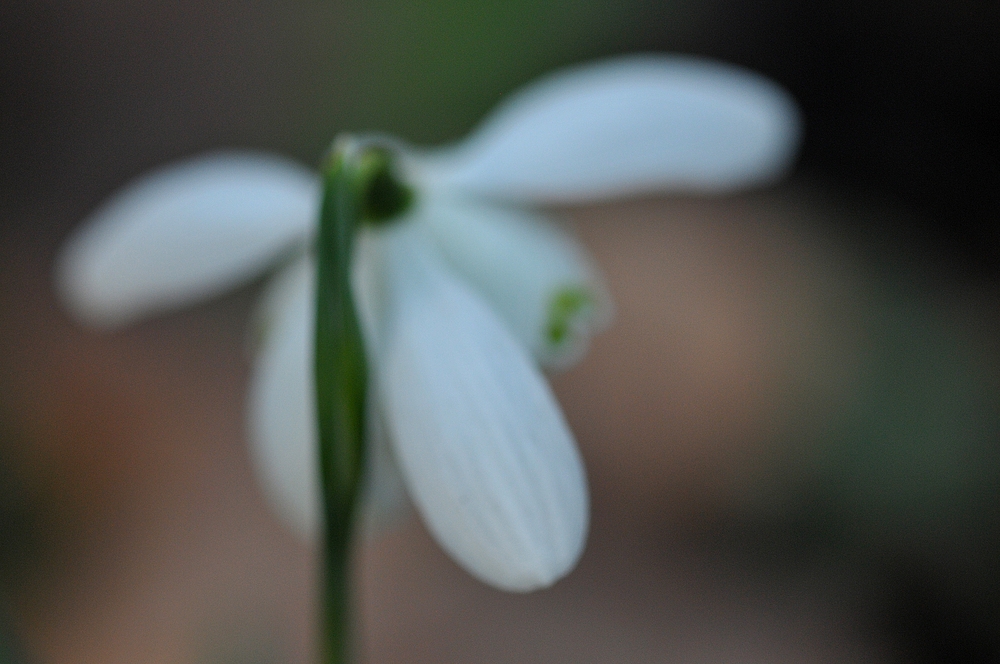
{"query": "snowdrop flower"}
[(461, 300)]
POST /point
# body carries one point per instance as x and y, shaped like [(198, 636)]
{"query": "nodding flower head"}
[(465, 289)]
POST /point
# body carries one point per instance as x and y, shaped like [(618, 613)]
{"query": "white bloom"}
[(458, 301)]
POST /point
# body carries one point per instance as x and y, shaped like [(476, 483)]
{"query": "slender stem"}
[(359, 187), (341, 382)]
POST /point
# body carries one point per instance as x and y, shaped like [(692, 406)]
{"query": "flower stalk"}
[(358, 187), (341, 387)]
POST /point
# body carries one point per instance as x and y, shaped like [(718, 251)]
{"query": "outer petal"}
[(627, 125), (282, 413), (185, 232), (536, 276), (281, 409), (484, 449)]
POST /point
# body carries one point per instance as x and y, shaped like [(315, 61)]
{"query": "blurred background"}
[(792, 432)]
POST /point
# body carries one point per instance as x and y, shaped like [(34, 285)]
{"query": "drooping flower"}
[(460, 302)]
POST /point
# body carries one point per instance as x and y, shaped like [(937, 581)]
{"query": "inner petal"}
[(533, 273)]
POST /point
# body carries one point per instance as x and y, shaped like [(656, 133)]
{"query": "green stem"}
[(360, 187), (341, 381)]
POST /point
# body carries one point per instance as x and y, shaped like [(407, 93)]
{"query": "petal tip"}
[(184, 232)]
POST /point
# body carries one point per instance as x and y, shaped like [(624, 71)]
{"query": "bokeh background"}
[(792, 432)]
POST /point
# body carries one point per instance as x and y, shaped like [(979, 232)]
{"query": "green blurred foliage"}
[(110, 88), (429, 71), (7, 652), (899, 477), (9, 506), (914, 451)]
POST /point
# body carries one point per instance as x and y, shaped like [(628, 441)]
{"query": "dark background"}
[(898, 97), (899, 100)]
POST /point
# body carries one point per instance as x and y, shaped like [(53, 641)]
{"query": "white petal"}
[(536, 276), (384, 500), (368, 286), (185, 232), (282, 414), (485, 452), (627, 125), (281, 402)]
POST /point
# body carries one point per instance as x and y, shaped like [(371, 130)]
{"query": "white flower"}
[(460, 301)]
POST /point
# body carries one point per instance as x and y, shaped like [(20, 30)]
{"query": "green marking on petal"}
[(566, 307)]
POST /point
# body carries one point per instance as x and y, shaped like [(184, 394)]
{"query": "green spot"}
[(566, 305)]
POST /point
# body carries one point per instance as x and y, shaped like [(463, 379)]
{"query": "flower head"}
[(461, 300)]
